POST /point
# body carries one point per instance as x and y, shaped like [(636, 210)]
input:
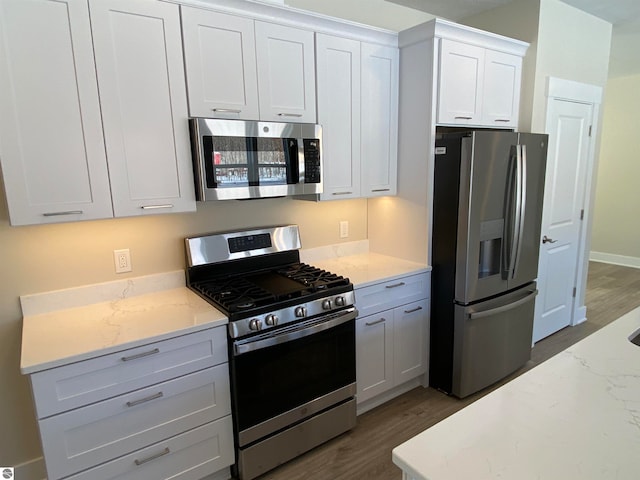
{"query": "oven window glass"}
[(276, 379)]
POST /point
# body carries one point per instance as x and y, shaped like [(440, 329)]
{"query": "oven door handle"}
[(315, 327)]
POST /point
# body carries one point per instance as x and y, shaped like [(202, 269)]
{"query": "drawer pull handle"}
[(413, 310), (166, 451), (140, 355), (369, 324), (155, 207), (463, 118), (380, 189), (69, 212), (144, 400), (505, 120), (297, 115), (341, 193), (226, 110), (399, 284)]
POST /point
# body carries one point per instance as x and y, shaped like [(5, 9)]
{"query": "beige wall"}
[(616, 224), (49, 257)]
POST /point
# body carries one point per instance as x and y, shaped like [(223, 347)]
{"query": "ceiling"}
[(623, 14)]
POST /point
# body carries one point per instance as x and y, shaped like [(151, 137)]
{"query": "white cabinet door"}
[(338, 91), (379, 141), (460, 83), (410, 334), (501, 99), (374, 355), (138, 51), (286, 73), (51, 143), (220, 60)]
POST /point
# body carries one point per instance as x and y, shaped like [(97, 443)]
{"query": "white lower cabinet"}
[(170, 417), (392, 344)]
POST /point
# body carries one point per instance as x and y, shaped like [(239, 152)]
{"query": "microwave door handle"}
[(523, 206)]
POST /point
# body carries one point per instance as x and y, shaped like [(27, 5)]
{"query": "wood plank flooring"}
[(365, 452)]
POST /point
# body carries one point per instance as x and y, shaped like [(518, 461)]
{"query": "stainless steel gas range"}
[(291, 342)]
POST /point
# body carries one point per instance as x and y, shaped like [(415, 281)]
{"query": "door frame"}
[(572, 91)]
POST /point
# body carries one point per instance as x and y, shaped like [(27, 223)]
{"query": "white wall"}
[(616, 222)]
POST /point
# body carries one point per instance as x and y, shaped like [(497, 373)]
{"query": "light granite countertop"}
[(575, 416), (75, 324)]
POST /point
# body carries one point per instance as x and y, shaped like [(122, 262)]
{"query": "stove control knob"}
[(271, 320), (340, 302), (255, 324), (327, 304), (300, 312)]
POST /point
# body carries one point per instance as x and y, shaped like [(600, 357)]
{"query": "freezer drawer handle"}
[(504, 308)]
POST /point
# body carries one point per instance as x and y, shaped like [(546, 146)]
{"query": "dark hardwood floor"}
[(365, 452)]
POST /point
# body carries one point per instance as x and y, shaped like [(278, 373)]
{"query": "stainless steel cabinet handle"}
[(140, 355), (153, 207), (69, 212), (144, 400), (369, 324), (413, 310), (463, 118), (381, 190), (289, 114), (546, 239), (341, 193), (166, 451), (502, 120), (226, 110), (399, 284)]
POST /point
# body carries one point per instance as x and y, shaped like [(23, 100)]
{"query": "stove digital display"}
[(249, 242)]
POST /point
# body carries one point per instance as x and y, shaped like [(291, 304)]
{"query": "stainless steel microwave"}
[(238, 159)]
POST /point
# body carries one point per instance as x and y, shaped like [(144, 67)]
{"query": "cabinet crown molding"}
[(294, 17), (439, 28)]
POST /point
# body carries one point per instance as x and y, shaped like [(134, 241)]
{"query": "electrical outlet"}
[(344, 229), (122, 259)]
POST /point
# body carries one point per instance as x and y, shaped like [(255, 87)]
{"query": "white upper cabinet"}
[(478, 78), (51, 144), (358, 110), (144, 107), (286, 73), (220, 59), (338, 70), (94, 110), (379, 141)]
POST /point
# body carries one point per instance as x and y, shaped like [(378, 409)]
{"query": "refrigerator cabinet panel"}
[(491, 339), (486, 161)]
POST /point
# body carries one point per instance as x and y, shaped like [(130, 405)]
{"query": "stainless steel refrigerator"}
[(488, 190)]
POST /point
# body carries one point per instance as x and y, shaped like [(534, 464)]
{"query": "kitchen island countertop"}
[(575, 416)]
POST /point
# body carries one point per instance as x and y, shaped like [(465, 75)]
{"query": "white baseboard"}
[(614, 259), (31, 470), (579, 316)]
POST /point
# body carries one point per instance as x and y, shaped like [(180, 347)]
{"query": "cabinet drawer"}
[(189, 456), (93, 380), (391, 294), (81, 438)]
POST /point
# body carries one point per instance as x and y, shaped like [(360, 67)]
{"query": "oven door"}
[(281, 378)]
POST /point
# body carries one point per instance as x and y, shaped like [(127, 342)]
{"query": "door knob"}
[(546, 239)]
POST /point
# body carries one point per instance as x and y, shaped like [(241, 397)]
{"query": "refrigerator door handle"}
[(510, 214), (522, 205), (494, 311)]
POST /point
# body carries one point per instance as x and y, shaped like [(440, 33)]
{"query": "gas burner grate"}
[(313, 278), (235, 294)]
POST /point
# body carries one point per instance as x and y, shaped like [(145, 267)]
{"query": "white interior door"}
[(568, 126)]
